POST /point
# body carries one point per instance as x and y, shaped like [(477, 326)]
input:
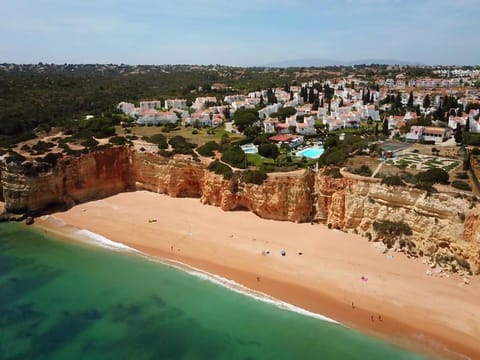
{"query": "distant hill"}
[(331, 62)]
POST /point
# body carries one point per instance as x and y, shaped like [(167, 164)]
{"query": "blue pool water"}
[(249, 149), (311, 153)]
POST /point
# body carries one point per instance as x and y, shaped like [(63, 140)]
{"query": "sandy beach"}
[(328, 272)]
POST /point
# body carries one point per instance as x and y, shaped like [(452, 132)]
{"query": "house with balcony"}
[(426, 133)]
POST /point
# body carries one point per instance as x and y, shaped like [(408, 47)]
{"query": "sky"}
[(240, 33)]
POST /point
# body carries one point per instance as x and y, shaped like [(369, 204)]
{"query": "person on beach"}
[(258, 278), (353, 305), (379, 317), (371, 317)]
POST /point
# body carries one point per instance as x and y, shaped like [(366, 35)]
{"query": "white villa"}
[(153, 104), (154, 117), (420, 133), (176, 103), (268, 110)]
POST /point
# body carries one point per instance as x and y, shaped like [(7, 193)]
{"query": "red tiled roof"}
[(283, 138)]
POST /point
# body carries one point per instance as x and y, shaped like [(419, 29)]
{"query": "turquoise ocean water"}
[(64, 300)]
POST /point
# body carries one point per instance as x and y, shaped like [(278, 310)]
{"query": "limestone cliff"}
[(72, 180), (445, 226), (284, 197), (176, 177)]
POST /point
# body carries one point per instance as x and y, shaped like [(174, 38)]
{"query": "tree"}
[(234, 156), (467, 125), (304, 94), (316, 103), (311, 96), (271, 98), (268, 150), (432, 176), (244, 118), (426, 102), (262, 103), (410, 100), (398, 101), (341, 103), (385, 126)]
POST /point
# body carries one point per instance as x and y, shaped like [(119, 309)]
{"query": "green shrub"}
[(14, 157), (99, 127), (363, 170), (393, 180), (41, 147), (462, 175), (254, 176), (472, 139), (435, 175), (461, 185), (208, 148), (89, 143), (180, 145), (268, 150), (221, 169), (427, 186), (118, 140), (165, 153), (392, 228), (234, 156), (428, 142), (51, 158), (159, 139), (333, 172)]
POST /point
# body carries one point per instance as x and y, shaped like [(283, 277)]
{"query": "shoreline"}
[(319, 281)]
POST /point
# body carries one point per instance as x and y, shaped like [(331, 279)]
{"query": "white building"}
[(127, 108), (422, 133), (153, 104), (268, 110), (176, 103)]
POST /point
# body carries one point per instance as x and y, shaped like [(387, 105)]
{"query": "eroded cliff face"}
[(445, 227), (176, 177), (72, 180), (284, 197), (280, 197)]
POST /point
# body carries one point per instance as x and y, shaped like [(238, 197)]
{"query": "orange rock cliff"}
[(445, 227)]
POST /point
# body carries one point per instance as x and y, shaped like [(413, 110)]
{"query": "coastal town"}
[(411, 109), (266, 179), (370, 173)]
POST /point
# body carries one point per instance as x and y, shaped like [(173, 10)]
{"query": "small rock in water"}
[(29, 220)]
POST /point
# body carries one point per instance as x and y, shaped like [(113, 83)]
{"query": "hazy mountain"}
[(331, 62)]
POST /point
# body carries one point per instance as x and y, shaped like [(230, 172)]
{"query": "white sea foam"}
[(240, 289), (106, 243)]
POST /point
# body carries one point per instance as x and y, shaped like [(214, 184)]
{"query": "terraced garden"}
[(423, 162)]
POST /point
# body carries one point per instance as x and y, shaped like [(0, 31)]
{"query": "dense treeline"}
[(34, 96)]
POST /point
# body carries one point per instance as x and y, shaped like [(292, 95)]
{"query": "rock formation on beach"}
[(444, 226)]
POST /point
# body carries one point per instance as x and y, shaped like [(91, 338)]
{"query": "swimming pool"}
[(311, 153), (249, 149)]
